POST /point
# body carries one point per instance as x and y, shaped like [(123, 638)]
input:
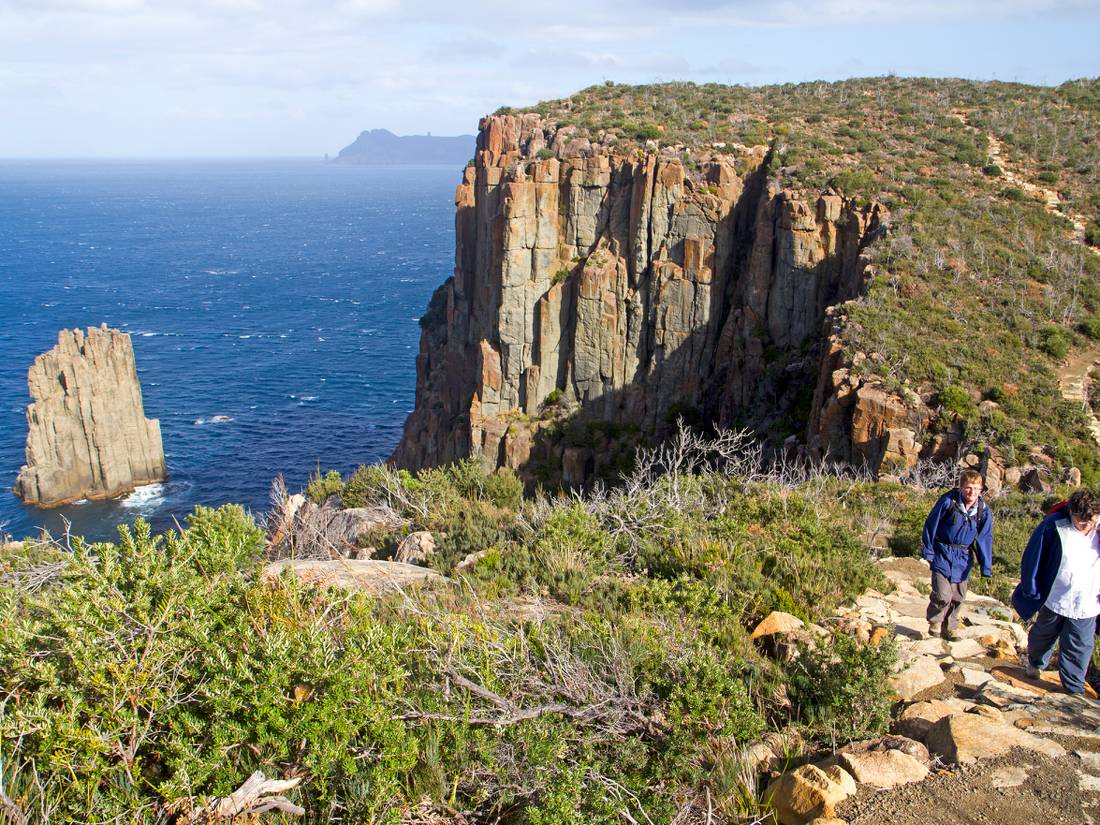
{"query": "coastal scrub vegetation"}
[(594, 657)]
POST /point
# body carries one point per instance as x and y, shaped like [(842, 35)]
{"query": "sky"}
[(284, 78)]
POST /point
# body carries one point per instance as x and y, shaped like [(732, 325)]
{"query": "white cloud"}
[(438, 65)]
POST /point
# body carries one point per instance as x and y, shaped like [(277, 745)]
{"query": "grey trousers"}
[(946, 600)]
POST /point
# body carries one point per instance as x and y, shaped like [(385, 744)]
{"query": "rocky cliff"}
[(624, 288), (88, 436)]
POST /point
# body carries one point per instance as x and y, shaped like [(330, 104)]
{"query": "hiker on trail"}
[(1060, 578), (958, 523)]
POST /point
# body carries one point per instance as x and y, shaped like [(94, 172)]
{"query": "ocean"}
[(273, 307)]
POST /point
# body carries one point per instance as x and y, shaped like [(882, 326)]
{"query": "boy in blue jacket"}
[(959, 521)]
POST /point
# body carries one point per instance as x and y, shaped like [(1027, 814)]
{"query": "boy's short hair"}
[(969, 476), (1084, 505)]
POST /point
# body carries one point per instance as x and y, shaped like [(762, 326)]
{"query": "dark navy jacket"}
[(948, 534), (1039, 566)]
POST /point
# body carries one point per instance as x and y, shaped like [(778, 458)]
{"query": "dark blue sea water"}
[(282, 295)]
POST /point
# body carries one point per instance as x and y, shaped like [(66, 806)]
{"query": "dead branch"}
[(257, 795)]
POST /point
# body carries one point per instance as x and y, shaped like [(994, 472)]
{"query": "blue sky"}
[(231, 78)]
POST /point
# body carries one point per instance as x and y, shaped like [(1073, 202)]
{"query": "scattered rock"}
[(972, 677), (967, 737), (965, 648), (415, 548), (777, 622), (1008, 777), (804, 794), (884, 769), (920, 675), (470, 560), (917, 719), (358, 575)]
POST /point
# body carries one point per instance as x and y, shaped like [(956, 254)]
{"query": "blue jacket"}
[(1039, 566), (948, 534)]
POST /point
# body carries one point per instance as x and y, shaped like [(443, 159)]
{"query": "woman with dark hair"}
[(1060, 579)]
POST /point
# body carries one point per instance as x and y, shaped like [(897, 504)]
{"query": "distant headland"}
[(383, 148)]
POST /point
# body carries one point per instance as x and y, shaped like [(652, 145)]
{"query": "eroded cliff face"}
[(88, 436), (623, 287)]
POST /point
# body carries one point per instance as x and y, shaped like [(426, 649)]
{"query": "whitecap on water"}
[(148, 496), (214, 419)]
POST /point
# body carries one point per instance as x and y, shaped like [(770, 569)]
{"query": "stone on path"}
[(920, 675), (972, 677), (1047, 682), (1008, 777), (965, 648), (967, 737), (883, 769), (917, 719)]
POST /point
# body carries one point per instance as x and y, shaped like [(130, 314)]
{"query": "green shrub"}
[(992, 170), (1054, 341), (1092, 233), (321, 487), (956, 399), (1091, 327), (544, 154), (839, 688)]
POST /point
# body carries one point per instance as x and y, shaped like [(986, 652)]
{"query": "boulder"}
[(921, 674), (806, 793), (884, 768), (964, 738), (916, 720), (87, 434), (777, 622), (329, 531), (415, 548), (357, 575)]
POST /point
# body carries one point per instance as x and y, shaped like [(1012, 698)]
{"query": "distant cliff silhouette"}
[(382, 147)]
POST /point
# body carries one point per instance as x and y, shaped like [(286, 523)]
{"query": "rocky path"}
[(1073, 378), (1052, 201), (974, 739)]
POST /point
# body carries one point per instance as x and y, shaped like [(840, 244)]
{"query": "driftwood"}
[(257, 795)]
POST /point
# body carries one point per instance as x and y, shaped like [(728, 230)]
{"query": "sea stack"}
[(87, 434)]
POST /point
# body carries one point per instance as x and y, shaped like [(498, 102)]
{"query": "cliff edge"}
[(625, 287), (88, 436)]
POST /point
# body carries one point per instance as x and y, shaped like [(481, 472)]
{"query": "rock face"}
[(88, 436), (623, 286)]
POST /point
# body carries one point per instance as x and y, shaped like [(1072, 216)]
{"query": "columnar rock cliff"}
[(623, 286), (88, 436)]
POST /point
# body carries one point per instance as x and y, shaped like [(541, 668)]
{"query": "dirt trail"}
[(1073, 378), (983, 675), (1050, 198)]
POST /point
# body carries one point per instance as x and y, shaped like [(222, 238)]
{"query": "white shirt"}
[(1074, 591)]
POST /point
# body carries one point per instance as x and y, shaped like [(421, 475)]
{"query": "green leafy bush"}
[(840, 688), (321, 487), (1054, 341)]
